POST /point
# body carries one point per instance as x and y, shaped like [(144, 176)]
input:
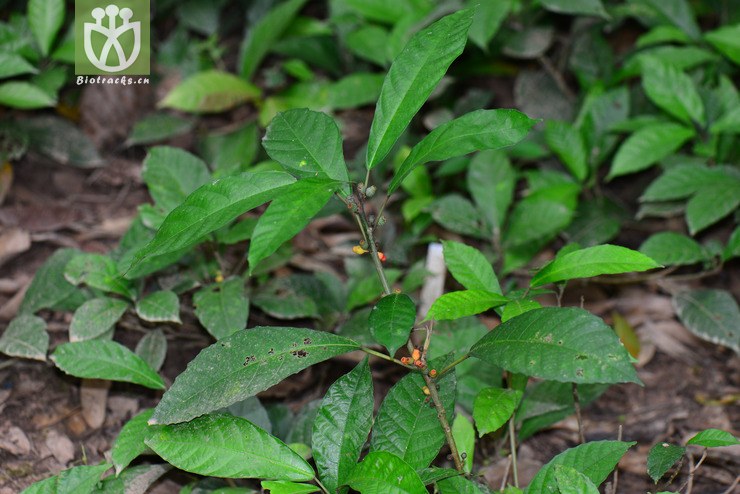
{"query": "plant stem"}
[(452, 365), (321, 486), (577, 406), (692, 471), (512, 446), (368, 233), (370, 351), (442, 416)]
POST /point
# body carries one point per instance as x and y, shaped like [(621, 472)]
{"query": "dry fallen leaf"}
[(15, 441), (13, 241)]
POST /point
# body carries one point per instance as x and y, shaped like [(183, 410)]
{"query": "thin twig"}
[(512, 446), (616, 468), (442, 417), (506, 474), (557, 77), (321, 486), (577, 406), (732, 487), (370, 351), (451, 366), (692, 471)]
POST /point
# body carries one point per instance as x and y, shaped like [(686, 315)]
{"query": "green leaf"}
[(264, 33), (595, 460), (455, 305), (713, 438), (647, 146), (45, 18), (464, 435), (287, 215), (469, 267), (487, 20), (567, 142), (130, 441), (493, 407), (222, 308), (341, 426), (491, 181), (242, 365), (732, 249), (152, 348), (682, 181), (581, 7), (96, 317), (385, 473), (369, 42), (80, 479), (102, 359), (529, 43), (61, 140), (222, 445), (134, 480), (729, 122), (412, 78), (457, 214), (678, 13), (538, 217), (518, 307), (97, 271), (711, 204), (12, 65), (210, 91), (392, 320), (158, 127), (433, 475), (711, 315), (46, 486), (389, 11), (25, 96), (172, 174), (407, 426), (672, 90), (475, 131), (673, 249), (285, 487), (725, 40), (593, 261), (307, 143), (661, 458), (355, 90), (208, 209), (571, 481), (160, 306), (49, 288), (25, 337), (560, 344)]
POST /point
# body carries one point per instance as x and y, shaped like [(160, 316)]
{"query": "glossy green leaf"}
[(262, 35), (159, 306), (222, 308), (287, 215), (647, 146), (711, 204), (672, 90), (487, 20), (209, 208), (673, 249), (491, 181), (713, 438), (46, 486), (568, 144), (152, 348), (494, 407), (95, 317), (455, 305), (172, 174), (726, 41), (729, 122), (307, 143), (103, 359), (389, 11), (576, 7), (595, 460), (407, 426), (518, 307), (381, 472), (80, 479), (210, 91), (25, 337), (45, 18), (242, 365), (130, 441), (412, 78), (392, 320), (661, 458), (560, 344), (49, 288), (97, 271), (285, 487), (571, 481), (158, 127), (222, 445), (464, 435), (593, 261), (341, 426), (460, 485), (474, 131), (711, 315), (25, 96), (469, 267), (539, 216)]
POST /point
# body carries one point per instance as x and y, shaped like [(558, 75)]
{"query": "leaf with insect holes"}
[(210, 91), (455, 305), (713, 438), (25, 337), (243, 364), (593, 261), (711, 315), (209, 208), (493, 407), (661, 458), (412, 78), (560, 344), (222, 445), (391, 321), (381, 472), (95, 317), (342, 424), (102, 359)]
